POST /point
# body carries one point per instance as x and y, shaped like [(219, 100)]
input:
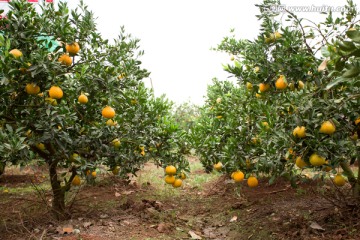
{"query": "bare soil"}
[(112, 209)]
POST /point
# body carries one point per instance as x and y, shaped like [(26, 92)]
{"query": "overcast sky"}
[(177, 36)]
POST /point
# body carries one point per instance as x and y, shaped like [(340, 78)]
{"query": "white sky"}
[(177, 36)]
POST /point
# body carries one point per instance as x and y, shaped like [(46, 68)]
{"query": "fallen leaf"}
[(209, 232), (316, 226), (102, 216), (193, 235), (87, 224), (127, 192), (233, 219), (117, 194)]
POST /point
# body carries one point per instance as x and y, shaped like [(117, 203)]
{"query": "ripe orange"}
[(281, 83), (177, 183), (183, 176), (72, 48), (300, 163), (252, 182), (218, 166), (327, 127), (316, 160), (301, 85), (263, 87), (238, 176), (83, 99), (93, 174), (108, 112), (32, 88), (56, 92), (116, 142), (170, 170), (258, 95), (170, 179), (299, 132), (16, 53), (339, 180), (76, 181), (65, 60)]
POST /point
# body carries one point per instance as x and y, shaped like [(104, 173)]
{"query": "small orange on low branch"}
[(108, 112)]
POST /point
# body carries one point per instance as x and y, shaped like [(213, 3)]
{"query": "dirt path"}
[(206, 207)]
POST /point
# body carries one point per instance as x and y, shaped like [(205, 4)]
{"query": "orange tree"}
[(292, 107), (75, 100)]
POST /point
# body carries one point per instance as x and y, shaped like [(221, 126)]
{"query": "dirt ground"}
[(217, 209)]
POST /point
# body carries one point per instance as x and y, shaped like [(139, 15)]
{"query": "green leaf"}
[(335, 82), (352, 72), (354, 35), (325, 52), (346, 46)]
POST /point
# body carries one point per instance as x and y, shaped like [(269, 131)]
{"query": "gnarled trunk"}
[(58, 205)]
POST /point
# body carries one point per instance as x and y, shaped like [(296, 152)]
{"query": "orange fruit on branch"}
[(76, 181), (317, 160), (170, 179), (16, 53), (327, 127), (339, 180), (263, 87), (32, 88), (299, 132), (56, 92), (83, 99), (281, 83), (65, 60), (238, 176), (170, 170), (72, 48), (252, 182), (108, 112), (177, 183)]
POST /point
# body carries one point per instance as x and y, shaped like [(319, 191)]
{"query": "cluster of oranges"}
[(170, 178), (238, 176), (327, 127)]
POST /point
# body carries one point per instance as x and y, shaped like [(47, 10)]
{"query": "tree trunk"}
[(58, 205), (353, 180), (2, 168)]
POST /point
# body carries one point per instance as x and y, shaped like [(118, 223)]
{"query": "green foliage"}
[(255, 130), (110, 74)]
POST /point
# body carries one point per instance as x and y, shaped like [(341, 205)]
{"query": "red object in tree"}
[(4, 0), (50, 1), (33, 1)]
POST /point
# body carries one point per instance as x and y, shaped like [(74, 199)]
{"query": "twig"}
[(277, 191), (43, 234)]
